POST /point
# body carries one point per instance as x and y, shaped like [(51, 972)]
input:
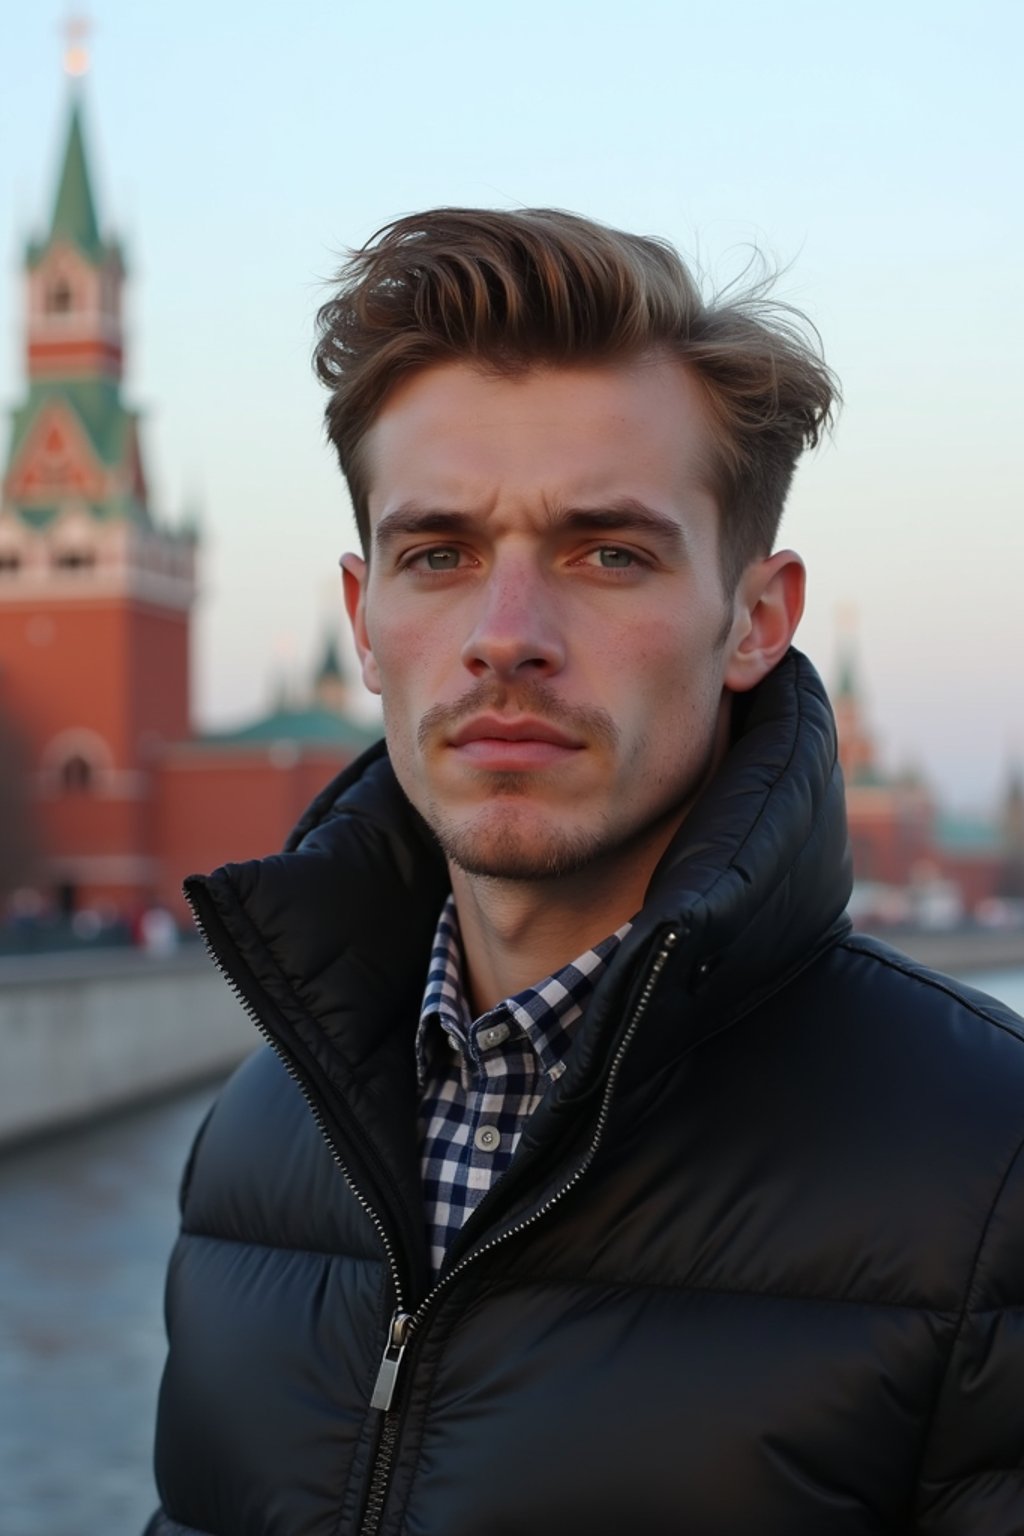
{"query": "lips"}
[(496, 744), (525, 729)]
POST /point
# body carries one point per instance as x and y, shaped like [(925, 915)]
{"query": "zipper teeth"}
[(374, 1510), (668, 944), (377, 1496), (314, 1110)]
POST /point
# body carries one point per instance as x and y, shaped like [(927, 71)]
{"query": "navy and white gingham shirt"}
[(481, 1079)]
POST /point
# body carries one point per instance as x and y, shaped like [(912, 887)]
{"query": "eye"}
[(610, 557), (441, 558)]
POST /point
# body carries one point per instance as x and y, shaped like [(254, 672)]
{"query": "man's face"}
[(543, 613)]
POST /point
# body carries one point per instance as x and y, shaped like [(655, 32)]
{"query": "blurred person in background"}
[(597, 1177)]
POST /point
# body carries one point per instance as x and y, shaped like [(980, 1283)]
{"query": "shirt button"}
[(487, 1138), (453, 1041), (494, 1035)]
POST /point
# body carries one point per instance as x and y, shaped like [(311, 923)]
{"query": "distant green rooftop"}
[(109, 426), (867, 776), (966, 834), (310, 725), (95, 401), (117, 508)]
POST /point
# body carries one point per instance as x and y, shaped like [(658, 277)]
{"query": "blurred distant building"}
[(911, 855), (96, 598), (1012, 880), (891, 817)]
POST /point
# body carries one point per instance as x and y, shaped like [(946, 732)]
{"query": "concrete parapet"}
[(81, 1034)]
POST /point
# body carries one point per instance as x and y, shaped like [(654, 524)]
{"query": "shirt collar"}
[(543, 1013)]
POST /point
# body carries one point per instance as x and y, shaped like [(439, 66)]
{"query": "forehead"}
[(455, 435)]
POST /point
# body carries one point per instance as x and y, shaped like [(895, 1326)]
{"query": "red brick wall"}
[(114, 667), (215, 806)]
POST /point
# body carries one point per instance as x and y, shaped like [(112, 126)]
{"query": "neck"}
[(516, 932)]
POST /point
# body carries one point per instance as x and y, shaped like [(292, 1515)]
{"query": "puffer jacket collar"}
[(760, 873)]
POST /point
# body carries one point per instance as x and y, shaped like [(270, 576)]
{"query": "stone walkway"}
[(86, 1224)]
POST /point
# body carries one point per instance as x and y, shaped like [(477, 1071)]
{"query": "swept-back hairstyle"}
[(512, 291)]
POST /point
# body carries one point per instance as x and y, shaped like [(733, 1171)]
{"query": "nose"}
[(516, 627)]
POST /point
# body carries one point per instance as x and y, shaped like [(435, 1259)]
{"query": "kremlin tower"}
[(95, 595), (123, 797)]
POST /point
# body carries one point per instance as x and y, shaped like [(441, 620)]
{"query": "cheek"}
[(413, 638), (672, 682), (661, 659), (413, 660), (396, 645)]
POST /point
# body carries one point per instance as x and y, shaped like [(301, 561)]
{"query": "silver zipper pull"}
[(387, 1376)]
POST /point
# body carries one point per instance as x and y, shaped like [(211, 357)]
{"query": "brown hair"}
[(509, 291)]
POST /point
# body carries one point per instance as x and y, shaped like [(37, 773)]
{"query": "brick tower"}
[(95, 596)]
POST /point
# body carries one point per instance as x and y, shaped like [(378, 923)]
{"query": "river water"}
[(86, 1225)]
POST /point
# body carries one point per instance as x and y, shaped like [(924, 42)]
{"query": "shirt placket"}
[(496, 1058)]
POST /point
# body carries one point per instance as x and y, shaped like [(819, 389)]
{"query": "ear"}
[(769, 603), (353, 581)]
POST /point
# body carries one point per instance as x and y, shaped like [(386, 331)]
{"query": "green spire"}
[(74, 213), (846, 685), (330, 666)]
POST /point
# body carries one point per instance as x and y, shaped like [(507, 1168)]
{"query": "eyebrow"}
[(621, 515), (408, 521)]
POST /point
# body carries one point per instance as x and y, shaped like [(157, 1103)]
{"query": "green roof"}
[(74, 213), (966, 834), (867, 776), (95, 401), (310, 726), (117, 509), (107, 423)]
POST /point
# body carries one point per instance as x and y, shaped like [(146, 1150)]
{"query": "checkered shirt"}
[(481, 1079)]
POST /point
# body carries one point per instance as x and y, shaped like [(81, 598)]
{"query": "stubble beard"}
[(512, 839), (505, 850), (502, 849), (498, 842), (518, 837)]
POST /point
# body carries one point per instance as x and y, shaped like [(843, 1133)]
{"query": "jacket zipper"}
[(403, 1323)]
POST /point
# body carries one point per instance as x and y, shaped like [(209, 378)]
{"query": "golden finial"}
[(76, 53)]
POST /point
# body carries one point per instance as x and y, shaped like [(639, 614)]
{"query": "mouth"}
[(496, 742), (525, 728)]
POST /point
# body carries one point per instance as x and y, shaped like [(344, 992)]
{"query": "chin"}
[(510, 849)]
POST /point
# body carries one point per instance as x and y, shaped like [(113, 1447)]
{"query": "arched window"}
[(77, 761), (76, 775), (74, 559), (58, 297)]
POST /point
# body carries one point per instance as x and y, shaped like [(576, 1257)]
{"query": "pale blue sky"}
[(874, 150)]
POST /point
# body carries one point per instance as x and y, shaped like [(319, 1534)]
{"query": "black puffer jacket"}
[(758, 1269)]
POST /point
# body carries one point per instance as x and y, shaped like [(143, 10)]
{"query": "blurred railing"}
[(90, 1030)]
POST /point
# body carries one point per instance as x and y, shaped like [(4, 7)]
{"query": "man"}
[(599, 1180)]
